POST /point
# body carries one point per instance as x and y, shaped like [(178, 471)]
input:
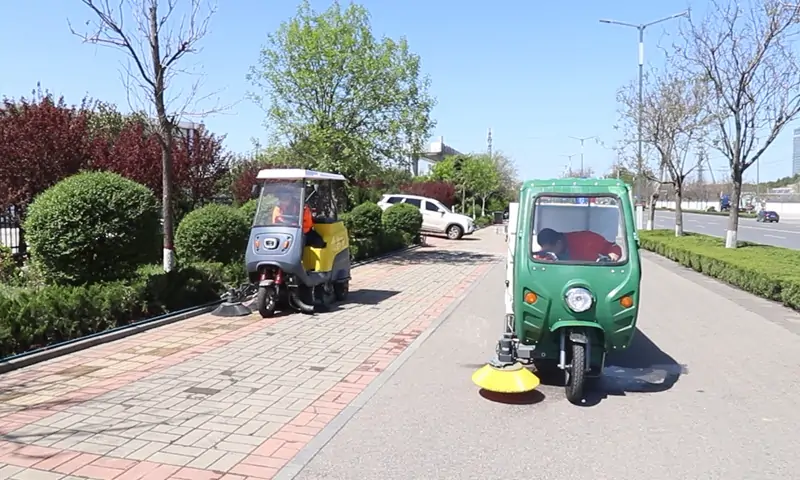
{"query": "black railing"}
[(11, 234)]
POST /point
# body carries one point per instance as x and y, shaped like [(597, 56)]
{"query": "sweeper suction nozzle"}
[(513, 378)]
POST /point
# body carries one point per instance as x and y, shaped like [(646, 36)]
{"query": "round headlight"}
[(579, 299)]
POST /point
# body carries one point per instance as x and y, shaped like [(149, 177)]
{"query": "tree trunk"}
[(731, 235), (483, 206), (463, 200), (651, 214), (678, 210)]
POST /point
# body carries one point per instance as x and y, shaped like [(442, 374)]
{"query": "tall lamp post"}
[(583, 139), (569, 161), (641, 28)]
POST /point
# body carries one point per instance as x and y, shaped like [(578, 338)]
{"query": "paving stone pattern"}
[(224, 398)]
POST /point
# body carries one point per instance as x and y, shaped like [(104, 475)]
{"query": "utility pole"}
[(641, 27), (583, 139), (489, 143)]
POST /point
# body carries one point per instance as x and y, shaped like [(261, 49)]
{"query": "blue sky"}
[(535, 72)]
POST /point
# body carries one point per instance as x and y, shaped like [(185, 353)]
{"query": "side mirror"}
[(255, 191), (441, 212)]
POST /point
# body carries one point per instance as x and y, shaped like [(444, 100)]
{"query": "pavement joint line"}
[(316, 444), (102, 338)]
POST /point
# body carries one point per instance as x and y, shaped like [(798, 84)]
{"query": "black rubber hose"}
[(303, 307)]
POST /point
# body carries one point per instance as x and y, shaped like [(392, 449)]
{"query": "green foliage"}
[(92, 227), (769, 272), (377, 100), (249, 209), (365, 221), (484, 221), (9, 270), (36, 317), (214, 233), (403, 220)]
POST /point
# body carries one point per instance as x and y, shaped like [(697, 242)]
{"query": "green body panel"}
[(609, 324)]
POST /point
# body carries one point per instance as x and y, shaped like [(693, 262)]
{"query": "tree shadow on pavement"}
[(642, 368), (423, 256), (364, 296)]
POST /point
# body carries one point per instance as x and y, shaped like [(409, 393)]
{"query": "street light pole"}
[(641, 28), (569, 161), (583, 139)]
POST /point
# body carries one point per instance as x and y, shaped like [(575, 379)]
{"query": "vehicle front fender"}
[(574, 324)]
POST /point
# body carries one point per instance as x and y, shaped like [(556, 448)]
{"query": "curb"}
[(316, 444), (71, 346), (22, 360)]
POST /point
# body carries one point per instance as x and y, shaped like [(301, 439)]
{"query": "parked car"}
[(436, 218), (767, 216)]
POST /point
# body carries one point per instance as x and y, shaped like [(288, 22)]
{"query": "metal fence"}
[(11, 234)]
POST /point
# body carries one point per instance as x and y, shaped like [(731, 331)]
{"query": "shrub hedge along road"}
[(94, 241), (766, 271)]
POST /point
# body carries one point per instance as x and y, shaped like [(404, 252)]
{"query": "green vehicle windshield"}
[(579, 230)]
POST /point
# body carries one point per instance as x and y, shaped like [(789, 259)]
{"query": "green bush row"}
[(374, 231), (33, 317), (766, 271)]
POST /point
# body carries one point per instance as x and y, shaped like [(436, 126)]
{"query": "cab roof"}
[(575, 182), (296, 174)]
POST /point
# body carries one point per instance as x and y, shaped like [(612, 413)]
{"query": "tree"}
[(201, 164), (340, 98), (674, 120), (588, 172), (747, 55), (42, 141), (507, 173), (484, 178), (621, 171), (155, 47), (438, 190)]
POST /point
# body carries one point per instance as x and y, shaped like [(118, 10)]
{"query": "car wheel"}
[(455, 232)]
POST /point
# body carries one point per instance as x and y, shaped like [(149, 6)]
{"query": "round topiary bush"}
[(404, 218), (92, 227), (214, 233), (249, 209), (364, 221)]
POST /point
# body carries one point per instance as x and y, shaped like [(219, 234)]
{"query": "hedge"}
[(214, 233), (34, 317), (372, 233), (766, 271), (403, 219), (93, 227)]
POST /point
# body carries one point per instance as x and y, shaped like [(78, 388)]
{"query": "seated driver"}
[(287, 205), (290, 206), (584, 246)]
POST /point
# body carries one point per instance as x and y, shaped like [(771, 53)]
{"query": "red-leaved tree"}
[(42, 141), (445, 192), (199, 161), (135, 154)]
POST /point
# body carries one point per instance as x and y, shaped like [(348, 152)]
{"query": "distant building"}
[(796, 152)]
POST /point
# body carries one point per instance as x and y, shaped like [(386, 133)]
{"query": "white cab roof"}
[(296, 174)]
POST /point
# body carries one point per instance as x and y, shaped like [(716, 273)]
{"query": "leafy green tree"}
[(341, 98), (483, 178)]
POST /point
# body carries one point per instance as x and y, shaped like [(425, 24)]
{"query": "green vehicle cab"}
[(572, 283)]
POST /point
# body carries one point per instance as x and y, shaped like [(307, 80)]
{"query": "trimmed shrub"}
[(768, 272), (249, 209), (92, 227), (365, 228), (403, 219), (36, 317), (213, 233)]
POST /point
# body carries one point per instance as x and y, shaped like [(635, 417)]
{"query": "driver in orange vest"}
[(289, 206)]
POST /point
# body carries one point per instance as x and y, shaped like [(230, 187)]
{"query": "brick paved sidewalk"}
[(224, 398)]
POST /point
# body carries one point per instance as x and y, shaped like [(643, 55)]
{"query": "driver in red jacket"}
[(583, 246)]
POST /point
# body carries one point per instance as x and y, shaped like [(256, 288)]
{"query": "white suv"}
[(436, 218)]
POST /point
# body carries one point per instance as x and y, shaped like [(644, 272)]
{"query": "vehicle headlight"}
[(578, 299)]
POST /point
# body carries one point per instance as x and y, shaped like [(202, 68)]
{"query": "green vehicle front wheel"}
[(576, 379)]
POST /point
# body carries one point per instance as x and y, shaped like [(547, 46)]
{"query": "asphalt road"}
[(708, 391), (783, 234)]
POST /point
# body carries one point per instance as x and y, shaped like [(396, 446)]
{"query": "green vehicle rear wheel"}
[(577, 374)]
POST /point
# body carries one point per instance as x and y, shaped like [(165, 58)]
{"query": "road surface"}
[(725, 407), (783, 234)]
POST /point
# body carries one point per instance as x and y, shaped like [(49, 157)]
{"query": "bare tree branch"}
[(746, 55), (154, 49)]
